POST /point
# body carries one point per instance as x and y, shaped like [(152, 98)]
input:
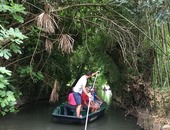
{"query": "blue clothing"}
[(95, 94), (77, 97)]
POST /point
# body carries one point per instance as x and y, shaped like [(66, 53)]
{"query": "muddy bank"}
[(151, 121), (150, 105), (147, 120)]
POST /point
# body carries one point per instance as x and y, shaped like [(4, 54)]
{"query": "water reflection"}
[(105, 95), (38, 117)]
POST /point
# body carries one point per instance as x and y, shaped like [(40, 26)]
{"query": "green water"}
[(38, 117)]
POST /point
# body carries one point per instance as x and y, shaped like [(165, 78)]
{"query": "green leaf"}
[(3, 113), (40, 76), (18, 41), (2, 85), (16, 33), (15, 48), (18, 18), (1, 38), (2, 104), (3, 70), (10, 97), (5, 53), (5, 101), (19, 34), (9, 93), (12, 109), (4, 8), (2, 93), (12, 103), (17, 8), (3, 33), (11, 31)]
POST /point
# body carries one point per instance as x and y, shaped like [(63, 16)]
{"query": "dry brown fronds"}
[(46, 21), (48, 45), (55, 92), (66, 43)]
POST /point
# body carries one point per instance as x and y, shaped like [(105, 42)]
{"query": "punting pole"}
[(85, 128)]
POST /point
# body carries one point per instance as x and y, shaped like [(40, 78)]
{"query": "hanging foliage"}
[(46, 20), (48, 45), (55, 92), (66, 43)]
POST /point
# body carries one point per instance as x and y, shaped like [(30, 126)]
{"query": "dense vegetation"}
[(46, 44)]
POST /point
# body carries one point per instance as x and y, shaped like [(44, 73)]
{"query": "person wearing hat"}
[(79, 88)]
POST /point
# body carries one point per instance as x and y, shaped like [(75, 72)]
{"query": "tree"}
[(10, 39)]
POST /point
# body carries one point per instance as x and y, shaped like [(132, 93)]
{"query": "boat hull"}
[(62, 118)]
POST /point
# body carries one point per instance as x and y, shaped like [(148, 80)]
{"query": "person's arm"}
[(98, 98), (95, 73)]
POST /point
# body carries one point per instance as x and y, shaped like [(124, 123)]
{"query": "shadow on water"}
[(38, 117)]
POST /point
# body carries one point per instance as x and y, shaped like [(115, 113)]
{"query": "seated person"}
[(85, 101), (71, 105), (96, 101)]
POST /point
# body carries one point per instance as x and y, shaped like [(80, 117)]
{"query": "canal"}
[(37, 116)]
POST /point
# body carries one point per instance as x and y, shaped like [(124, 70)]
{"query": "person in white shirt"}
[(79, 87)]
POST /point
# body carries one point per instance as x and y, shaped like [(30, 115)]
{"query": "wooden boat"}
[(60, 115)]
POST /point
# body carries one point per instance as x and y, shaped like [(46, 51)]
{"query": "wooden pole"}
[(85, 128)]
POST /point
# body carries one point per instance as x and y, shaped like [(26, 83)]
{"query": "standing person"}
[(79, 87)]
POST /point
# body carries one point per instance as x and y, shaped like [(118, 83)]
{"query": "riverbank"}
[(158, 118), (147, 119), (152, 121)]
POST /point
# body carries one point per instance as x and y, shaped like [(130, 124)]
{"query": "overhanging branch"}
[(78, 5)]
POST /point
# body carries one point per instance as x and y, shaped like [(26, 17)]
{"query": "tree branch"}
[(78, 5)]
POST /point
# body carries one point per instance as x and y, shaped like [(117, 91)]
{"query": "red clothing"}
[(84, 98)]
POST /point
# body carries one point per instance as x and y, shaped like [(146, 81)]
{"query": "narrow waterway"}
[(38, 117)]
